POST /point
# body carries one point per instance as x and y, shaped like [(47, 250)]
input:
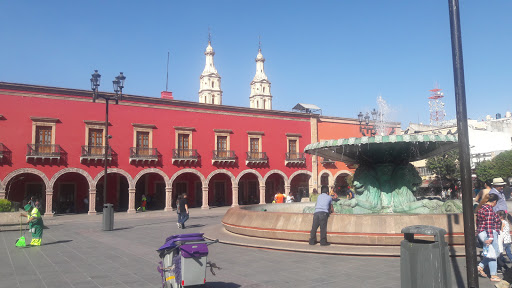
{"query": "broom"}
[(20, 242)]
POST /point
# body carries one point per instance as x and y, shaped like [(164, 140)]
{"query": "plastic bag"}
[(491, 253)]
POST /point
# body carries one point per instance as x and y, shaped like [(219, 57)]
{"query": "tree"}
[(486, 170), (499, 166), (446, 165)]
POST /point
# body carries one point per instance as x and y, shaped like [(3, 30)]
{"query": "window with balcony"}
[(293, 156), (222, 152), (43, 140), (142, 150), (94, 148), (183, 152), (255, 155)]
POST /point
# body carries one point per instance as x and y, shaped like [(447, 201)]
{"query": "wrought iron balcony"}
[(138, 154), (223, 156), (44, 151), (256, 158), (95, 153), (184, 156), (295, 158)]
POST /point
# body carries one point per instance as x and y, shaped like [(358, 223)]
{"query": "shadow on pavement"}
[(220, 285), (57, 242), (122, 228), (194, 226)]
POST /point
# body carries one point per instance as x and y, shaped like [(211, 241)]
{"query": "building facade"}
[(52, 143)]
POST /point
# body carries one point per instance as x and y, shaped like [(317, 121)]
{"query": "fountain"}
[(385, 180), (384, 202)]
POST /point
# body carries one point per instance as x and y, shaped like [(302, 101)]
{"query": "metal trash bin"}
[(108, 217), (184, 260), (424, 263)]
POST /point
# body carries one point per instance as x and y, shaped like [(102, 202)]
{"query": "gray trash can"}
[(424, 263), (108, 217)]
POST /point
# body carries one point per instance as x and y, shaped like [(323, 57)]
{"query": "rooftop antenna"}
[(167, 81)]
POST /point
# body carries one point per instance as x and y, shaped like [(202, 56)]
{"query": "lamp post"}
[(366, 128), (118, 84)]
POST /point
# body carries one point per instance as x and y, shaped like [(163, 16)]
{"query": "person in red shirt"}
[(279, 198)]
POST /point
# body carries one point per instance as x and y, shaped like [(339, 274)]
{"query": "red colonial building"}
[(52, 147)]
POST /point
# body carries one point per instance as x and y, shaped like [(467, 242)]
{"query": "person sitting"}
[(313, 196), (279, 198), (290, 198)]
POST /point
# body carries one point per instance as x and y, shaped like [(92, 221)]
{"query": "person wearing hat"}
[(35, 224), (497, 188)]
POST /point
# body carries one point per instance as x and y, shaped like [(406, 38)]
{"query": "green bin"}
[(424, 263)]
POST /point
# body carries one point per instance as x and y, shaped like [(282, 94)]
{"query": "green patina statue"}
[(385, 181)]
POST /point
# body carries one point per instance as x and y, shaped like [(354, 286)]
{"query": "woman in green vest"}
[(35, 224)]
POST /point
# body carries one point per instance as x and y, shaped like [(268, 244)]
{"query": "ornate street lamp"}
[(366, 128), (118, 84)]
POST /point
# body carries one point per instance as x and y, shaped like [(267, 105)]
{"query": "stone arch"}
[(131, 184), (72, 170), (219, 171), (30, 171), (188, 170), (325, 171), (330, 177), (286, 182), (260, 179), (1, 186), (342, 172), (297, 173), (152, 170)]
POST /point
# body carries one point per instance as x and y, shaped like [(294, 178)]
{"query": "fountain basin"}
[(287, 222)]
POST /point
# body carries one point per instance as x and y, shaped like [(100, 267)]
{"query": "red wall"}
[(334, 130), (16, 133)]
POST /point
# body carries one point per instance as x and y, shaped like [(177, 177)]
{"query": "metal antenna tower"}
[(436, 106)]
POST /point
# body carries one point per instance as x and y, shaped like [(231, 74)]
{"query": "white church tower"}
[(209, 81), (260, 86)]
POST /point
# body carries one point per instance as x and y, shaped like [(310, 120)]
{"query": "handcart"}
[(184, 260)]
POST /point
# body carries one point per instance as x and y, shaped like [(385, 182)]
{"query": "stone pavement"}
[(77, 253)]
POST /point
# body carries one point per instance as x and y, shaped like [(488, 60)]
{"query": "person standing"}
[(497, 188), (322, 209), (488, 224), (35, 224), (183, 211), (142, 203)]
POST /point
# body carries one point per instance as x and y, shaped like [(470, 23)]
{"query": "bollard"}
[(108, 217)]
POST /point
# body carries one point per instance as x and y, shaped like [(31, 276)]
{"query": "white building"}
[(487, 138), (261, 97), (209, 81)]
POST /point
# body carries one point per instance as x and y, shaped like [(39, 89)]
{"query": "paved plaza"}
[(77, 253)]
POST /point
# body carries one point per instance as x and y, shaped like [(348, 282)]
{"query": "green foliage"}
[(446, 165), (499, 166), (5, 205), (486, 170)]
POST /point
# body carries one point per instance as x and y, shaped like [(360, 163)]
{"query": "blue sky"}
[(339, 55)]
